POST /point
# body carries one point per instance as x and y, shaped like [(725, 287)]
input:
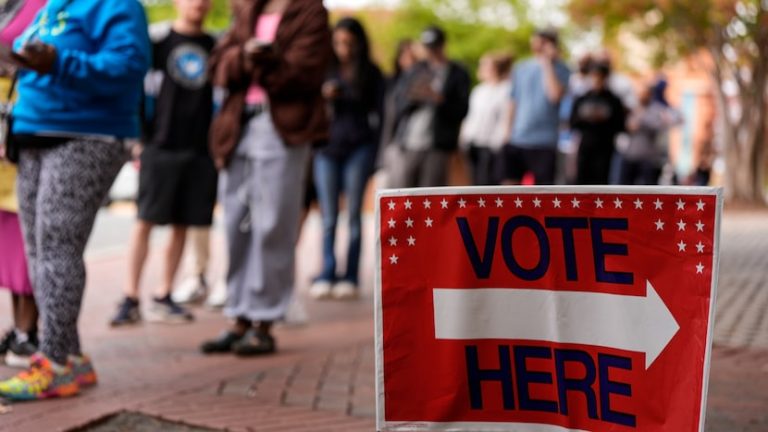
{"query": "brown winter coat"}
[(292, 75)]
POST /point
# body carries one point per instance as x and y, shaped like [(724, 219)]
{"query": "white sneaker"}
[(345, 290), (218, 296), (320, 290), (297, 313), (191, 290)]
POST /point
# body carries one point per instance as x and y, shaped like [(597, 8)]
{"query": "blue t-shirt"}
[(537, 119)]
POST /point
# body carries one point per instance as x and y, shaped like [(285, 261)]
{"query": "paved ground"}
[(322, 379)]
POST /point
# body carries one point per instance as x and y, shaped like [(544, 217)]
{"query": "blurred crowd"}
[(278, 113)]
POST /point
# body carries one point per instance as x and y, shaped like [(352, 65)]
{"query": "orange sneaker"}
[(83, 370), (40, 381)]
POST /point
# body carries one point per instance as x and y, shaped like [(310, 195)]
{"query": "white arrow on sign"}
[(630, 323)]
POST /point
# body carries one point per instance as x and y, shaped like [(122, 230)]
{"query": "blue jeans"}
[(333, 176)]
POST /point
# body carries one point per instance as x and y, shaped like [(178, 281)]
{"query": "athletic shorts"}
[(517, 161), (176, 188)]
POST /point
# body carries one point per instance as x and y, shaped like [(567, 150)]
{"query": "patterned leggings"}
[(60, 192)]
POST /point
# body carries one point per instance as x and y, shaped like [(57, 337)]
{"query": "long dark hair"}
[(364, 68)]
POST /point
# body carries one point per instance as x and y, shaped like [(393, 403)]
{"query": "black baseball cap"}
[(433, 37)]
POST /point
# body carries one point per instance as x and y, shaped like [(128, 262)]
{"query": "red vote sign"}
[(545, 309)]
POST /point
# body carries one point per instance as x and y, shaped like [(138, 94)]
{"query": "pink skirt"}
[(13, 262)]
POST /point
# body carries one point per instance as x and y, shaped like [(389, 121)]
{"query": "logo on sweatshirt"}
[(187, 66)]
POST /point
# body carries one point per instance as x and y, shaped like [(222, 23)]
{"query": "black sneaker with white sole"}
[(20, 352), (166, 311), (5, 342)]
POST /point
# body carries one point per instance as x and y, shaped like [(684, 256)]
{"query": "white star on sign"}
[(681, 246), (699, 226), (699, 268), (444, 203), (428, 222), (427, 204), (598, 203), (658, 204), (392, 241), (659, 225), (617, 203), (411, 241), (700, 247), (391, 205), (499, 203), (700, 205), (680, 204), (536, 202), (575, 203), (408, 204), (462, 203), (681, 225), (393, 259), (556, 203), (638, 204), (392, 223), (409, 223), (481, 202), (518, 202)]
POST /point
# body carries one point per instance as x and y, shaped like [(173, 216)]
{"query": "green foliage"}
[(163, 10), (473, 28)]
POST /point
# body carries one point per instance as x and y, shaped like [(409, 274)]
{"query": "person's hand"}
[(136, 151), (331, 90), (549, 51), (37, 56), (255, 48), (220, 163), (425, 94)]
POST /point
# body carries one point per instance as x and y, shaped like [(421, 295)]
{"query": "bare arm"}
[(510, 120), (554, 88)]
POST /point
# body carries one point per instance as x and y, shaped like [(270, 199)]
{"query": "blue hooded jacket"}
[(95, 88)]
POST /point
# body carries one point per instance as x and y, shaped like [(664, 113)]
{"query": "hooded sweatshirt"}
[(95, 87)]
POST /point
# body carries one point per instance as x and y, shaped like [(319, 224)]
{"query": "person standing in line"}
[(274, 62), (404, 60), (20, 342), (599, 116), (431, 100), (79, 90), (177, 178), (643, 159), (484, 130), (196, 288), (355, 93), (538, 85)]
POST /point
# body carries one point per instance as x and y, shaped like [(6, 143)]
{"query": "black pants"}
[(517, 161), (645, 173), (483, 161), (594, 166)]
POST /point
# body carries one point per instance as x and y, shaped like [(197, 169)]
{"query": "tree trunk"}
[(745, 143)]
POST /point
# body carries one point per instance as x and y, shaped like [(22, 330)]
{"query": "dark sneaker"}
[(166, 311), (222, 344), (20, 351), (5, 342), (255, 344), (127, 313)]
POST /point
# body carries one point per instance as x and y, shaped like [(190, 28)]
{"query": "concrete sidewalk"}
[(322, 378)]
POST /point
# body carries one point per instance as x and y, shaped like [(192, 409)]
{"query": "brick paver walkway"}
[(322, 379)]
